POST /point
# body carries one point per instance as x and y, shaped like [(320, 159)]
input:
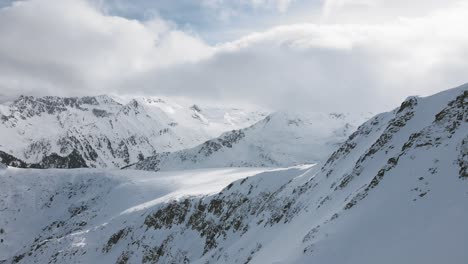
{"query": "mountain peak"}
[(196, 108), (134, 107)]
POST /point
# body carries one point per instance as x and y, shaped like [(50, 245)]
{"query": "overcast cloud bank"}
[(66, 47)]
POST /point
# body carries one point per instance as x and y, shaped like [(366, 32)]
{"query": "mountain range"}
[(395, 191), (100, 132), (159, 134)]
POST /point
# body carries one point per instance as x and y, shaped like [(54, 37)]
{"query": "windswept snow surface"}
[(76, 204)]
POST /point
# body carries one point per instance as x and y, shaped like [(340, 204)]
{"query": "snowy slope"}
[(44, 203), (106, 133), (394, 192), (281, 139)]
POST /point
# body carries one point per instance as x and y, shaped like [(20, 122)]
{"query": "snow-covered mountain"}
[(394, 192), (105, 133), (282, 139)]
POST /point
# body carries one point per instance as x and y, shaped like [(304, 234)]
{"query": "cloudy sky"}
[(319, 55)]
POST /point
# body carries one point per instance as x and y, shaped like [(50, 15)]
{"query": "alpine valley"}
[(206, 184)]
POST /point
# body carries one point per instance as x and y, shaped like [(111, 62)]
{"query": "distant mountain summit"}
[(281, 139), (105, 133)]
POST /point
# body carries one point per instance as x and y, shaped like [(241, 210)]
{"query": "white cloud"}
[(68, 43), (332, 67), (68, 47), (377, 11)]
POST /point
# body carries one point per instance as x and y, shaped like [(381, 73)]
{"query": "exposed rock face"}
[(73, 160), (9, 160)]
